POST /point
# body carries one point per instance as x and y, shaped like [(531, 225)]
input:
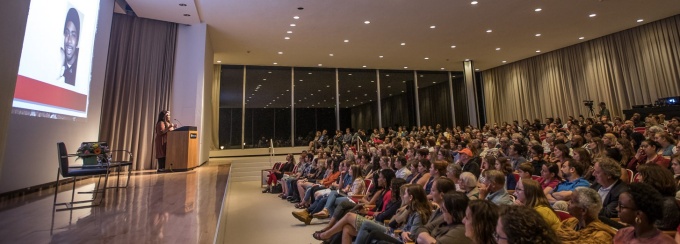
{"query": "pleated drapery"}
[(138, 84), (631, 67)]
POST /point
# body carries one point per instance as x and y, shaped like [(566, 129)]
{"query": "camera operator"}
[(604, 111)]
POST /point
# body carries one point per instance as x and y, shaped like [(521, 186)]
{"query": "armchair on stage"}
[(182, 149)]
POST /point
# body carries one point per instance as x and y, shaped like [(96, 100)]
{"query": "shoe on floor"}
[(303, 216)]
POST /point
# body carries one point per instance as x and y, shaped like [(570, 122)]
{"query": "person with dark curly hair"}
[(520, 224), (662, 180), (481, 217), (639, 207)]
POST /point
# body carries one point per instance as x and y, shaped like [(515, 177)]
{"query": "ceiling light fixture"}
[(442, 68), (367, 22), (296, 17), (640, 20), (330, 55), (476, 69), (488, 31), (405, 67), (592, 15), (538, 51), (504, 61), (320, 64), (276, 63), (289, 32), (346, 41), (364, 66), (581, 38), (498, 49), (403, 43), (538, 10), (427, 58), (219, 61), (287, 38), (380, 56), (432, 27), (453, 46), (292, 25), (280, 52), (539, 34), (474, 2)]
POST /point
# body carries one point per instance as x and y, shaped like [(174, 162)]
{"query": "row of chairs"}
[(74, 172)]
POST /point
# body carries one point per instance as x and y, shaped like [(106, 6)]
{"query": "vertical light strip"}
[(243, 111), (292, 106), (415, 83), (337, 100), (453, 109), (377, 79)]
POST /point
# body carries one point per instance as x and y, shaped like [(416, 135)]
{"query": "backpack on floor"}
[(278, 188)]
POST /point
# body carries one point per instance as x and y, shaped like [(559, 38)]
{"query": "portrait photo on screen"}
[(56, 59)]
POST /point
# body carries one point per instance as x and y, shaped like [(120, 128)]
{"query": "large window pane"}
[(314, 103), (397, 97), (358, 99), (231, 104), (434, 99), (267, 106)]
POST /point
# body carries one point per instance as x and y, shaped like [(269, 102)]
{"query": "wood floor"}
[(181, 207)]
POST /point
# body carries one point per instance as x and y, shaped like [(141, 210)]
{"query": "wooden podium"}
[(182, 149)]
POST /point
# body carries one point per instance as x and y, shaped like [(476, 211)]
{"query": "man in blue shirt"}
[(571, 172)]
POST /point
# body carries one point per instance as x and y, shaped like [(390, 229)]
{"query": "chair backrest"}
[(516, 175), (562, 215), (630, 175), (277, 165), (636, 177), (367, 183), (62, 159)]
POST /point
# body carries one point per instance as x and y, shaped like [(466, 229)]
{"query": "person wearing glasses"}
[(520, 224), (647, 154), (585, 226), (639, 207)]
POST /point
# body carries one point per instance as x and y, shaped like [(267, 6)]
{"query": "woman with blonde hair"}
[(530, 194)]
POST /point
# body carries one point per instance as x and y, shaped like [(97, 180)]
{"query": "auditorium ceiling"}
[(400, 34)]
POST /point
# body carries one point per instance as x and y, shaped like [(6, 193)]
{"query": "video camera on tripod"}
[(589, 104)]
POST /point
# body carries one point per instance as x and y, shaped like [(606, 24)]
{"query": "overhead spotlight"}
[(581, 38), (538, 51), (380, 56), (504, 61), (474, 2), (219, 61), (432, 27), (296, 17), (426, 58), (498, 49), (453, 46), (292, 25), (280, 52), (592, 15), (346, 41), (289, 32), (403, 43), (489, 31), (640, 20), (538, 10), (539, 34), (330, 55), (287, 38), (367, 22)]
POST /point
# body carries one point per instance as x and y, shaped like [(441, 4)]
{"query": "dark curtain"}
[(138, 84), (435, 105), (460, 105), (365, 116)]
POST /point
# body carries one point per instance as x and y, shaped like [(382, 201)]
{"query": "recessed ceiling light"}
[(592, 15), (581, 38), (330, 55), (367, 22), (467, 59), (296, 17), (309, 73), (280, 52), (474, 2), (219, 61), (364, 66), (403, 43), (476, 69), (289, 32), (442, 68), (346, 41), (320, 64), (287, 38), (380, 56), (488, 31), (453, 46), (187, 15), (498, 49), (538, 51), (349, 74), (427, 58), (640, 20), (292, 25), (276, 63), (539, 34), (359, 86), (183, 4), (432, 27), (264, 79), (538, 10), (405, 67)]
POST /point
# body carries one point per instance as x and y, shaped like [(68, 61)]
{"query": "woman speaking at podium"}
[(163, 126)]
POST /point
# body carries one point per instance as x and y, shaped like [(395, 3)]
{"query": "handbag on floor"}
[(278, 188)]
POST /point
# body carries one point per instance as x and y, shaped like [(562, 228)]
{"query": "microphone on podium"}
[(180, 123)]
